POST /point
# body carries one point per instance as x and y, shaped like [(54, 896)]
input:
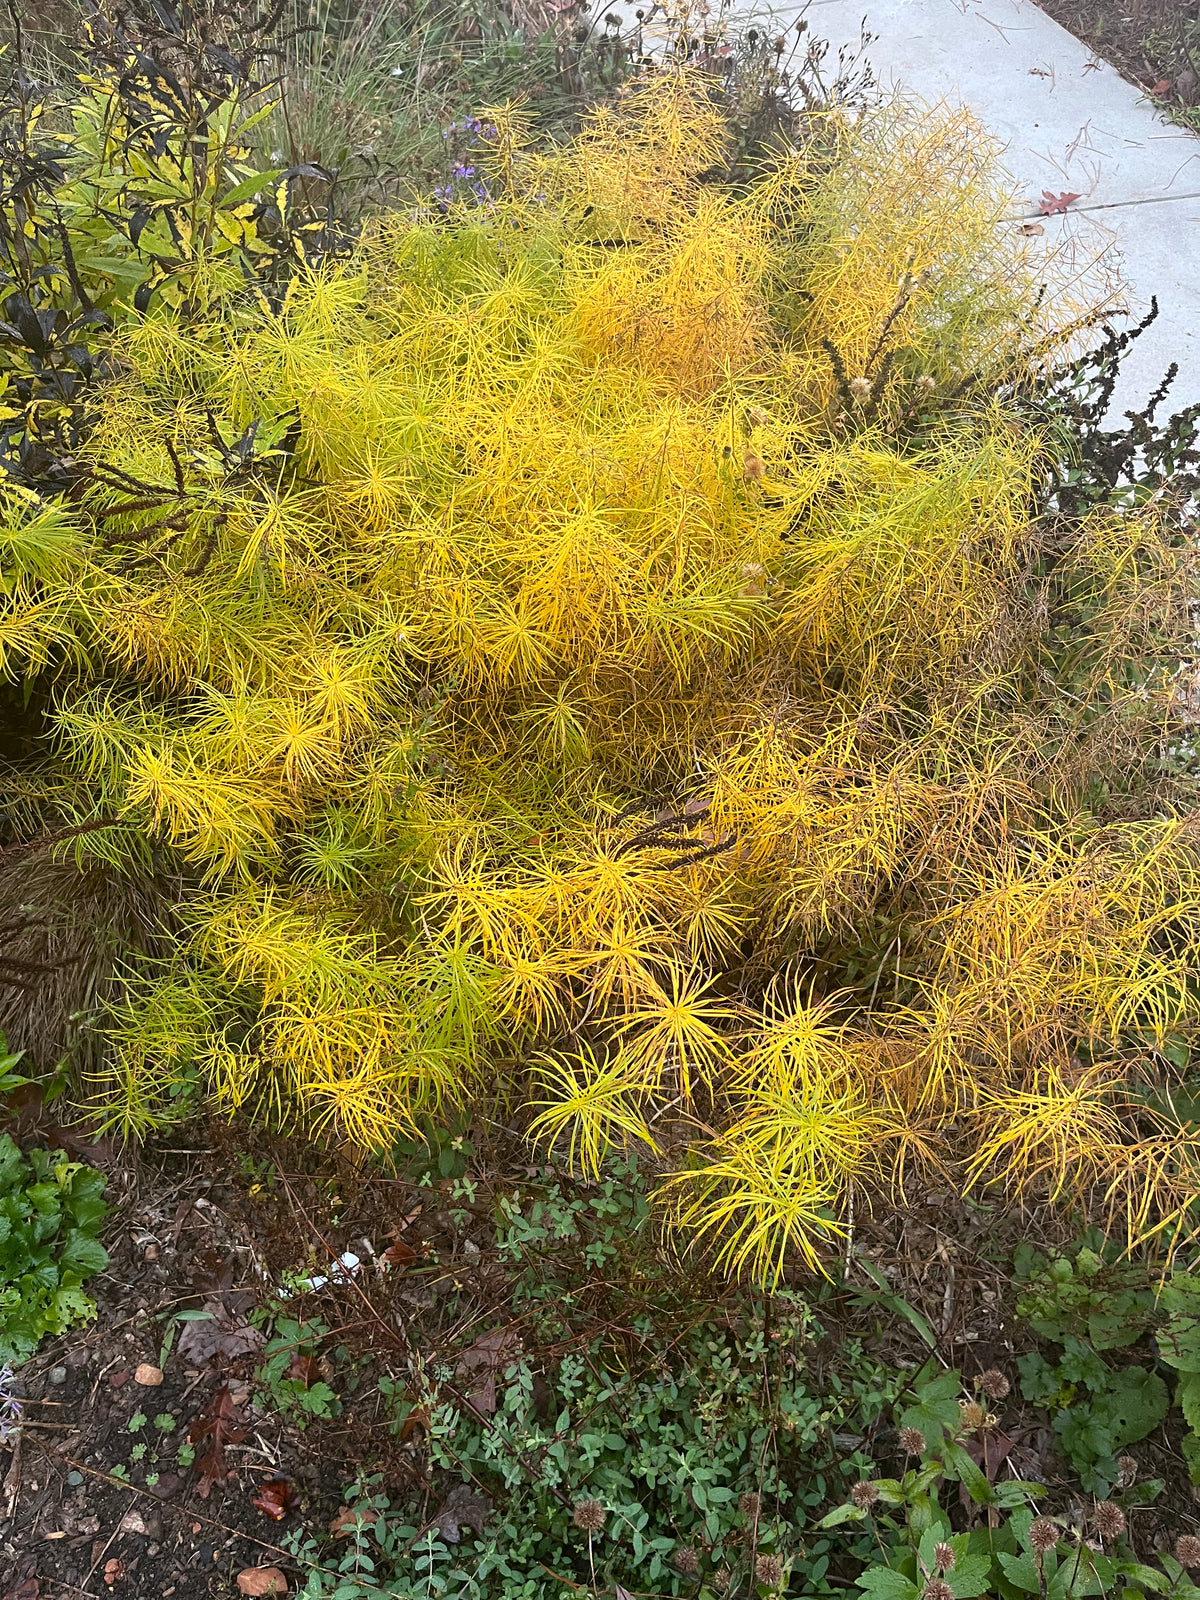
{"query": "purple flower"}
[(460, 171)]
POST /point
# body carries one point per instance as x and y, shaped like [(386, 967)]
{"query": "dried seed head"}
[(864, 1495), (927, 383), (1109, 1520), (769, 1570), (1043, 1536), (994, 1384), (1127, 1471), (937, 1589), (943, 1557), (1187, 1550), (749, 1504), (753, 467), (912, 1441), (754, 572), (588, 1515), (757, 416), (721, 1579), (971, 1414), (860, 390), (687, 1561)]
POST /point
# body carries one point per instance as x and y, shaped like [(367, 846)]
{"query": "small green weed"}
[(1089, 1300), (289, 1377)]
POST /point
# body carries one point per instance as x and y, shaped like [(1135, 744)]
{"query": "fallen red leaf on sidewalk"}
[(1053, 204)]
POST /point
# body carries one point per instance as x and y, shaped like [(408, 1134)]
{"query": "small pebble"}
[(74, 1479), (148, 1376), (58, 1375)]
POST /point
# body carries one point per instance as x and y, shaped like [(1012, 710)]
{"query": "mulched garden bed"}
[(94, 1500), (1153, 43)]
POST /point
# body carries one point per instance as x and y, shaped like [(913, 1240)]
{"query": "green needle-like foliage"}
[(596, 653)]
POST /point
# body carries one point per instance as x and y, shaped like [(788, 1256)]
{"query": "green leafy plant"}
[(1089, 1293), (1097, 1410), (1178, 1345), (1087, 1300), (50, 1213), (616, 1428), (288, 1376), (919, 1555)]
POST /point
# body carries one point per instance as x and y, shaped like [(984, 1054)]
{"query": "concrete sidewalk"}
[(1069, 122)]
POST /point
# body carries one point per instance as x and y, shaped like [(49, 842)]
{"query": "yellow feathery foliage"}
[(594, 650)]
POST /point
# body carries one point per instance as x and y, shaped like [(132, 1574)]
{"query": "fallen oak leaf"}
[(398, 1255), (347, 1521), (276, 1498), (217, 1334), (215, 1427), (1161, 88), (461, 1509), (418, 1417), (991, 1452), (1054, 205), (491, 1353)]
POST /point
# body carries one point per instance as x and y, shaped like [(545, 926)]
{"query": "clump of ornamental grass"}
[(557, 681)]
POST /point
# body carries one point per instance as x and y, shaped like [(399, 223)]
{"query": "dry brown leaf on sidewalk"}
[(1054, 205)]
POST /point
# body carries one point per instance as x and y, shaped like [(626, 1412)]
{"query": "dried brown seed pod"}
[(1043, 1536), (1109, 1520), (912, 1441), (588, 1515), (943, 1557), (864, 1495), (769, 1570), (1187, 1550), (971, 1414), (994, 1384)]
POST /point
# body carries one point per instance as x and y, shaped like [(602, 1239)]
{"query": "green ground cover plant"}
[(51, 1211)]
